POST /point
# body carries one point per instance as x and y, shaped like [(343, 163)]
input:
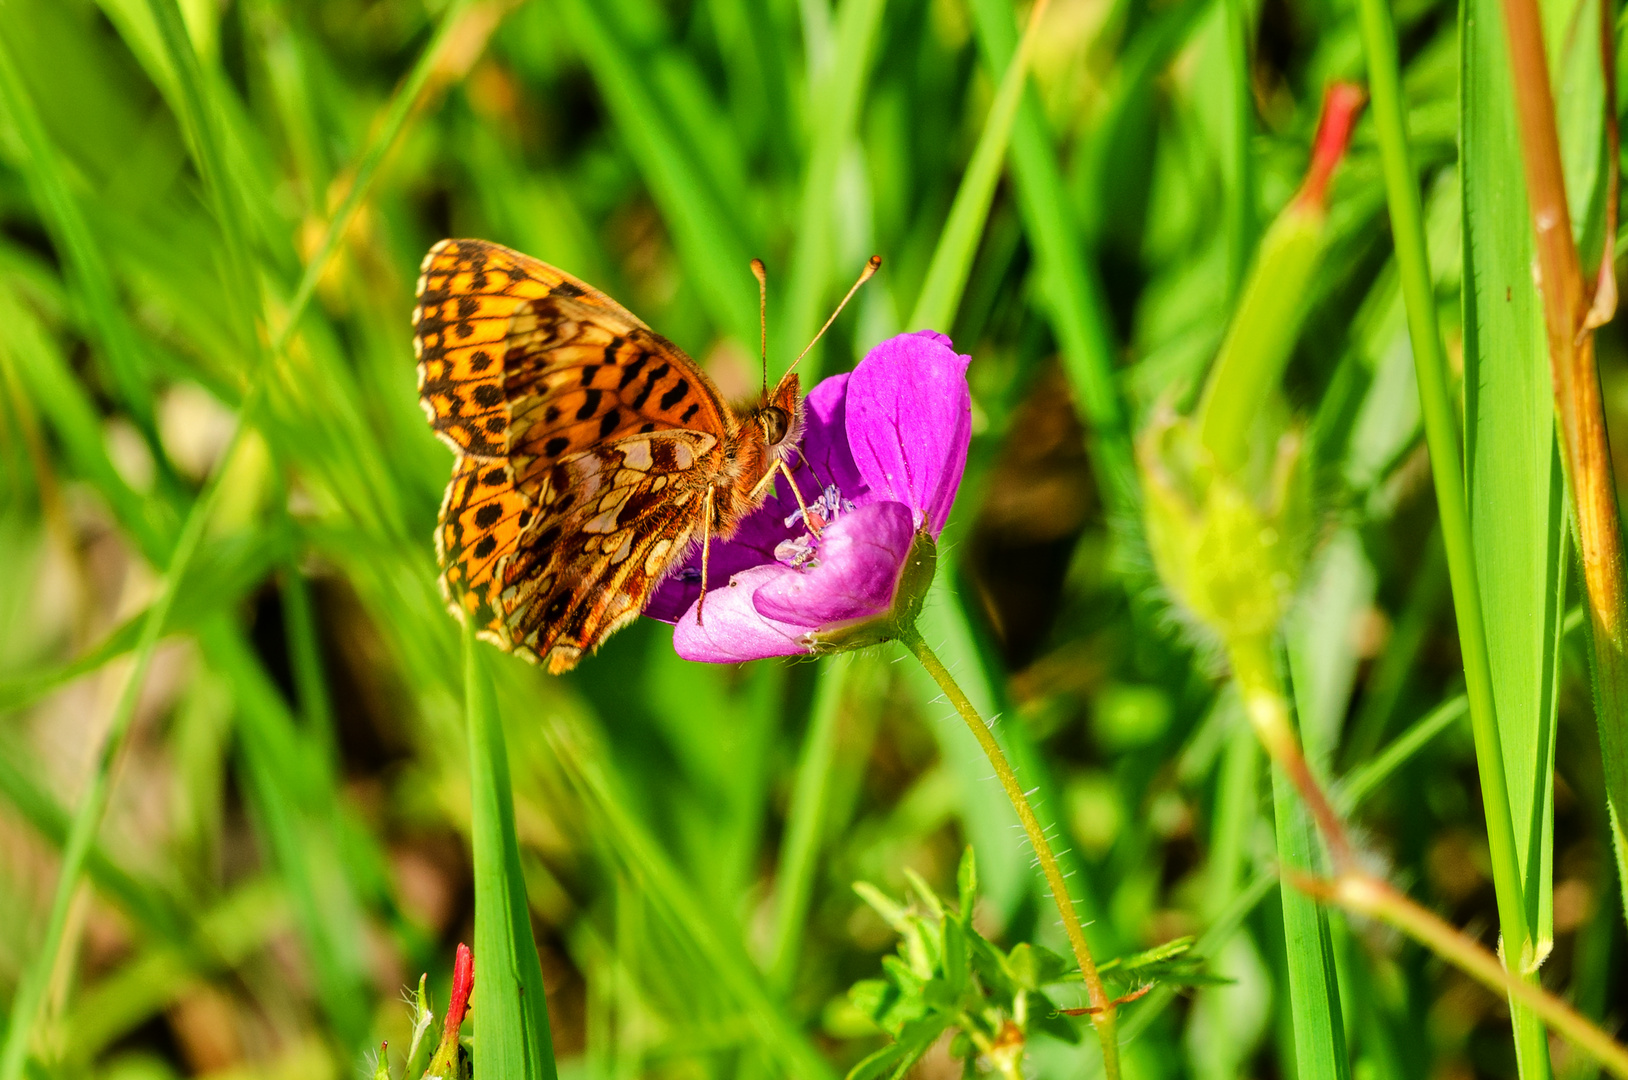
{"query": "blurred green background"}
[(286, 842)]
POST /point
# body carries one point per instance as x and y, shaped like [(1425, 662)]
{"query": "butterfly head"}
[(780, 417)]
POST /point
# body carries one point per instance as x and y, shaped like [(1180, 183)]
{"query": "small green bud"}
[(1230, 548)]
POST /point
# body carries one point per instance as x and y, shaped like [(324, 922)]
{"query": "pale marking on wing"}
[(636, 454), (683, 457), (603, 522), (626, 549), (658, 554)]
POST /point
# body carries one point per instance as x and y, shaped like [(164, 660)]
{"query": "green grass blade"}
[(293, 805), (47, 176), (1371, 775), (805, 822), (511, 1021), (706, 234), (1489, 151), (958, 241), (388, 131), (200, 117), (144, 901), (1072, 294), (87, 819), (836, 102), (1513, 475), (663, 886), (40, 368), (1314, 990)]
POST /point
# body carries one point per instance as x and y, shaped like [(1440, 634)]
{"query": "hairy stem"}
[(1104, 1015)]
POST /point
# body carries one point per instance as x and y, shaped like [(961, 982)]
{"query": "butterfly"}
[(591, 452)]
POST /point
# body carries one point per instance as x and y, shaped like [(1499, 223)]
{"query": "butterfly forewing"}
[(585, 444)]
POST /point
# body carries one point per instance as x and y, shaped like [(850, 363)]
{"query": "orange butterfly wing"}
[(584, 441)]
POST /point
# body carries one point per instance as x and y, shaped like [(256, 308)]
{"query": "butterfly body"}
[(592, 453)]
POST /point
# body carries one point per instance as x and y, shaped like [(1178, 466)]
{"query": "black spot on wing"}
[(590, 404), (609, 422), (679, 392), (632, 370)]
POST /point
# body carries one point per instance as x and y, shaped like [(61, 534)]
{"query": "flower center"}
[(802, 552)]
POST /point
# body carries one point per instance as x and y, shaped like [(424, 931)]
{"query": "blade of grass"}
[(1478, 50), (87, 820), (293, 804), (664, 887), (48, 183), (1314, 993), (1073, 295), (1371, 775), (145, 902), (1569, 320), (706, 235), (407, 97), (199, 116), (511, 1023), (805, 822), (1513, 477), (958, 240), (837, 95)]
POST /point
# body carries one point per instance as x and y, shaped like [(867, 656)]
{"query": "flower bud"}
[(1230, 547)]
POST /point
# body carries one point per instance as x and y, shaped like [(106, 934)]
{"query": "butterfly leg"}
[(706, 556), (808, 519), (780, 469)]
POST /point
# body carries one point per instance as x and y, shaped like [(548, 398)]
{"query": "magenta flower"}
[(883, 451)]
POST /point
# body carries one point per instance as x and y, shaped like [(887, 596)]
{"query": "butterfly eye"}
[(775, 424)]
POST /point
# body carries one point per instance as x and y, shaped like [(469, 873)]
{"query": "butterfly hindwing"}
[(482, 517), (614, 520)]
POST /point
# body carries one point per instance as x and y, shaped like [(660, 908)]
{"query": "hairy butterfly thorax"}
[(591, 452)]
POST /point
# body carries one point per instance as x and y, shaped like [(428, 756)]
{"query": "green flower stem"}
[(1367, 895), (1104, 1016), (1447, 470)]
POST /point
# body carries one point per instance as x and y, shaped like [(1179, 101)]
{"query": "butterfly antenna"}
[(763, 318), (871, 267)]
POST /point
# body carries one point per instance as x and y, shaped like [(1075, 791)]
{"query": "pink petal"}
[(734, 630), (859, 559), (909, 418)]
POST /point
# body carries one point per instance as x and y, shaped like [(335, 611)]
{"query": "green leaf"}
[(966, 883), (878, 1063), (511, 1017)]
